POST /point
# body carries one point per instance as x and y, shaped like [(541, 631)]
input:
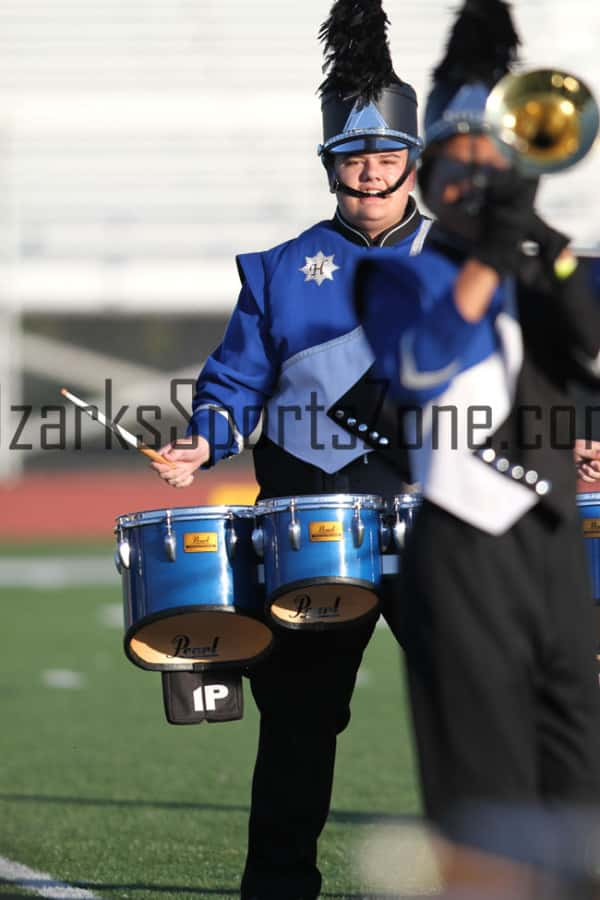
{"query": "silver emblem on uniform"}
[(319, 268)]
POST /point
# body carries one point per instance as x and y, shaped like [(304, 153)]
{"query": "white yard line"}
[(41, 883), (57, 572), (63, 678)]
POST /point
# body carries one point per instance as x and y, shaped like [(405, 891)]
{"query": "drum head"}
[(197, 640), (319, 501), (408, 501), (325, 603), (183, 514)]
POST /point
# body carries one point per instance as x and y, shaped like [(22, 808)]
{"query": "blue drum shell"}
[(589, 511), (202, 609), (330, 576), (399, 521), (408, 507)]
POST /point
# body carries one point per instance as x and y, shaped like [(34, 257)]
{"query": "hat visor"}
[(444, 129), (369, 144)]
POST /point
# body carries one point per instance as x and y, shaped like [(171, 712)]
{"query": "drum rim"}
[(320, 501), (187, 665), (182, 514), (403, 501), (594, 496)]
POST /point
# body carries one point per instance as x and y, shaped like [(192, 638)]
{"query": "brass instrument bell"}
[(545, 120)]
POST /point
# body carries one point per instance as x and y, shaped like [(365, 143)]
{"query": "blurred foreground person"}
[(480, 336), (292, 348)]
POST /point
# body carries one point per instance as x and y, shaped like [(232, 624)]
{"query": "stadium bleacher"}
[(143, 143), (164, 131)]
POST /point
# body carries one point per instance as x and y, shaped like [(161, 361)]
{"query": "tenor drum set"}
[(208, 586)]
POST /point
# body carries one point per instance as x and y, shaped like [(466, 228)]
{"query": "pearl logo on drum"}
[(591, 528), (305, 609), (183, 649), (201, 542), (326, 531)]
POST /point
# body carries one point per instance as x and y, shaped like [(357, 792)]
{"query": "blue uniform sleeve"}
[(240, 375), (420, 340)]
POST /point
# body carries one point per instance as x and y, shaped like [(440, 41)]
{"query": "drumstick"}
[(127, 436)]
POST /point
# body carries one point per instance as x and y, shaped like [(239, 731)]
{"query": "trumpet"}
[(545, 120)]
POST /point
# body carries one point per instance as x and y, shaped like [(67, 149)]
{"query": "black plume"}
[(482, 45), (357, 54)]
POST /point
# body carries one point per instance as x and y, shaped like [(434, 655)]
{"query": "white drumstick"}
[(127, 436)]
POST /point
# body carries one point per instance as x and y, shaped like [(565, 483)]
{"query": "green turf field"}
[(98, 790)]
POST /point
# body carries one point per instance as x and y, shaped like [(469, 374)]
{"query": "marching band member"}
[(294, 346), (480, 336)]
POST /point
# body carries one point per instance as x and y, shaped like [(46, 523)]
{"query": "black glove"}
[(506, 219), (551, 243)]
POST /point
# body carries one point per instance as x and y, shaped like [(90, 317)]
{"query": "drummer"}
[(293, 348)]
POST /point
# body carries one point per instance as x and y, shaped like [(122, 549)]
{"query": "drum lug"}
[(358, 528), (258, 540), (122, 551), (294, 535), (231, 540), (170, 541), (384, 536), (170, 547), (123, 555), (399, 532), (294, 528)]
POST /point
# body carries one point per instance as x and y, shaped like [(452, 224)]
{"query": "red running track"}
[(81, 506)]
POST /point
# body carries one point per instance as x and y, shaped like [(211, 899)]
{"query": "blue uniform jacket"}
[(293, 345), (480, 401)]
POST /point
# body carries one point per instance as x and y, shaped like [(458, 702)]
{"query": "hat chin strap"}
[(338, 186)]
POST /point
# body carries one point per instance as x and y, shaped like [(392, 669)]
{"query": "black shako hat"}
[(365, 106), (481, 49)]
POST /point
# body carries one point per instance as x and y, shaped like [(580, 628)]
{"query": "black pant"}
[(500, 640), (303, 692)]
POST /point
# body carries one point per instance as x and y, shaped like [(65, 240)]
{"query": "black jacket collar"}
[(410, 224)]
